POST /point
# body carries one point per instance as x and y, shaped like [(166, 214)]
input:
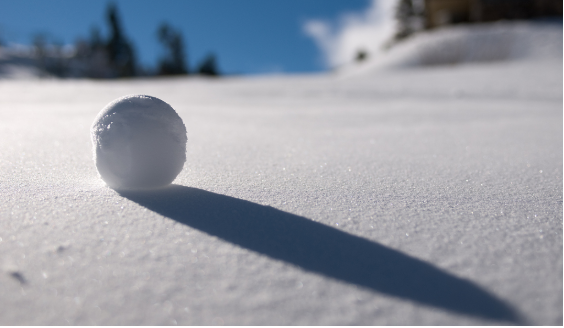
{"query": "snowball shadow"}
[(322, 249)]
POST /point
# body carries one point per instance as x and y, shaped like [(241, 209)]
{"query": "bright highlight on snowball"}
[(139, 142)]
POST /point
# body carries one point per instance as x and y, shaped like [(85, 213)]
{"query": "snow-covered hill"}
[(472, 43), (396, 196), (18, 63)]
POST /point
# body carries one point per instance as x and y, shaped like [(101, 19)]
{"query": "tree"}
[(174, 62), (409, 15), (120, 51), (39, 45), (96, 58), (208, 66)]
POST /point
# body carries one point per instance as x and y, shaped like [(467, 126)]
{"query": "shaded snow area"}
[(18, 63), (462, 44), (415, 196)]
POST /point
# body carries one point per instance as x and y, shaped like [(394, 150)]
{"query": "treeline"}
[(115, 56)]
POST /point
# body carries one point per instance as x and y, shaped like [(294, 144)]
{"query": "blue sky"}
[(248, 36)]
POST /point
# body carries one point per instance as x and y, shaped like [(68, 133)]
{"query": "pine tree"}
[(174, 63), (208, 66), (120, 51), (409, 16)]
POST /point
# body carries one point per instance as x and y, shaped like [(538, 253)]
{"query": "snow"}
[(414, 196), (462, 44), (138, 142), (18, 62)]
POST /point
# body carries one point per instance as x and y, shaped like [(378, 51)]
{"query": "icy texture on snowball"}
[(139, 142)]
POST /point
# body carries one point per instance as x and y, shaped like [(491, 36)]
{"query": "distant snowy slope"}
[(17, 63), (500, 41)]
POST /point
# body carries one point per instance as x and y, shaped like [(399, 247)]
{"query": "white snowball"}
[(139, 142)]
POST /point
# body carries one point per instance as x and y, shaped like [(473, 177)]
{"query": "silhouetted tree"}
[(174, 62), (208, 66), (95, 38), (50, 58), (58, 63), (409, 15), (96, 58), (39, 47), (120, 51)]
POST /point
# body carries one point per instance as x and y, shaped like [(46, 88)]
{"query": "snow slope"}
[(539, 40), (18, 62), (418, 196)]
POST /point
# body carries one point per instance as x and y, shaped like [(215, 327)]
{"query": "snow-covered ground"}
[(461, 44), (413, 196), (19, 63)]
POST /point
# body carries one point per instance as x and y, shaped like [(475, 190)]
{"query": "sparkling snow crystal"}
[(138, 142)]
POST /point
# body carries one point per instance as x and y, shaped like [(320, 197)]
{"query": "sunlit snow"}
[(399, 194)]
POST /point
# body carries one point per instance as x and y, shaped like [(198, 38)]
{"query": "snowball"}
[(139, 142)]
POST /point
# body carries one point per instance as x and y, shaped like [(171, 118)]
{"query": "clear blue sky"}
[(248, 36)]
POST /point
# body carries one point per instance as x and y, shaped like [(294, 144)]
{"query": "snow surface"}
[(488, 42), (426, 196), (18, 62)]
